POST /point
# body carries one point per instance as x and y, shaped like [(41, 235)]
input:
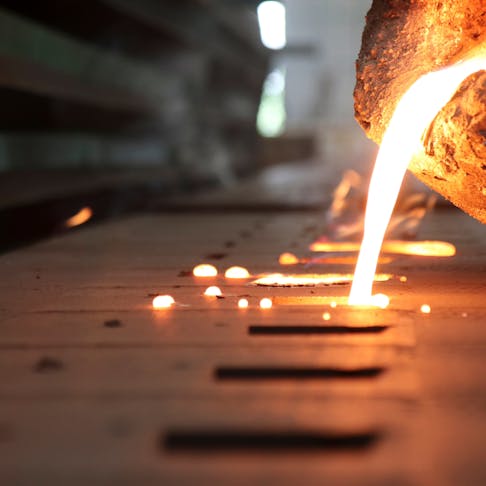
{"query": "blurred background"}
[(157, 96)]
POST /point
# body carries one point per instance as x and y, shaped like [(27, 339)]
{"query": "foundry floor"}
[(87, 401)]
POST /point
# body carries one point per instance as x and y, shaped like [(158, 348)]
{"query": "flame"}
[(398, 247), (280, 280), (213, 291), (163, 302), (266, 303), (401, 141), (237, 272), (288, 259), (81, 217), (205, 270)]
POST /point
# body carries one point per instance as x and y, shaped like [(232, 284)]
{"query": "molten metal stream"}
[(414, 113)]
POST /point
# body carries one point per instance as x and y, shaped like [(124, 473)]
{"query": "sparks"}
[(205, 270), (326, 316), (401, 141), (237, 272), (163, 302)]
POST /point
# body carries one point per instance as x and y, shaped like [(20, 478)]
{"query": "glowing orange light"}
[(213, 291), (266, 303), (402, 140), (425, 308), (83, 215), (288, 259), (403, 279), (303, 280), (326, 316), (163, 302), (398, 247), (243, 304), (205, 270), (237, 272)]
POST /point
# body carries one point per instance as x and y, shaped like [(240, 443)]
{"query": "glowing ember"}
[(326, 316), (213, 291), (205, 270), (401, 141), (243, 304), (333, 304), (237, 272), (425, 308), (81, 217), (419, 248), (310, 280), (403, 279), (163, 302), (266, 303), (288, 259)]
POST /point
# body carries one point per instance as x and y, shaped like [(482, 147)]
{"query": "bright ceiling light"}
[(271, 18)]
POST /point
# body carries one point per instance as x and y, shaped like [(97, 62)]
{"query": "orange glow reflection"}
[(205, 270), (81, 217), (311, 280), (398, 247), (402, 140)]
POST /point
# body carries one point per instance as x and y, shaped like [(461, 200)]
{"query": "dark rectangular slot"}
[(294, 373), (266, 441), (257, 330)]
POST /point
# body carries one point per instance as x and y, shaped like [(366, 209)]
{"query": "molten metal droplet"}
[(243, 304), (83, 215), (266, 303), (237, 272), (205, 270), (403, 278), (163, 302), (425, 308), (380, 300), (326, 316), (213, 291), (288, 259), (333, 304)]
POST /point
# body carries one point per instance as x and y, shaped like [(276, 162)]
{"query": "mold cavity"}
[(256, 373), (224, 441), (309, 330)]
